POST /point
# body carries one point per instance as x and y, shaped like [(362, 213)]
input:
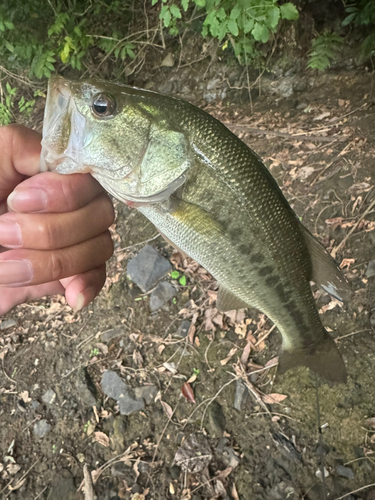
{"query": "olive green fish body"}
[(210, 195)]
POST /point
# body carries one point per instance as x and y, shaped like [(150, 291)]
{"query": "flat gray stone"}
[(7, 323), (370, 271), (163, 292), (49, 397), (345, 471), (41, 428), (115, 388), (147, 268)]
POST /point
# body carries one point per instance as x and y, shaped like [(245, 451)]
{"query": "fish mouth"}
[(131, 200), (66, 131)]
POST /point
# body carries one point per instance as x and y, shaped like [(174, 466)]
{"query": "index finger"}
[(20, 153)]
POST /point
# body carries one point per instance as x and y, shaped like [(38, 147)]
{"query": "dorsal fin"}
[(325, 272), (227, 301)]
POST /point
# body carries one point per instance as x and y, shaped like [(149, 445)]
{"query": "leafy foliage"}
[(8, 103), (324, 49), (361, 15), (242, 22)]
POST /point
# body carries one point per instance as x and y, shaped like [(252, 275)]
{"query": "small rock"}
[(318, 473), (109, 335), (35, 405), (370, 271), (163, 292), (147, 268), (285, 88), (175, 471), (115, 388), (7, 323), (81, 457), (213, 83), (183, 329), (168, 61), (41, 428), (146, 392), (229, 457), (49, 397), (216, 419), (242, 394), (345, 471)]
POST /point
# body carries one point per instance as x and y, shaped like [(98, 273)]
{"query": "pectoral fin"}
[(325, 272), (227, 301)]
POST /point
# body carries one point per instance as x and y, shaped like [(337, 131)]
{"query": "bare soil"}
[(320, 146)]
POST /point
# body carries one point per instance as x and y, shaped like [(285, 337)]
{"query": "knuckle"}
[(108, 245), (48, 235), (56, 266)]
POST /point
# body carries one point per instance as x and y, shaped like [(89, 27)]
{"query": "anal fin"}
[(227, 301), (325, 272)]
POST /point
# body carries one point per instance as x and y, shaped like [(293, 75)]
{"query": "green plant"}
[(175, 275), (361, 14), (324, 49), (94, 352), (6, 105), (241, 22)]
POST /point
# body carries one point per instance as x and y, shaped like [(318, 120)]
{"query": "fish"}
[(208, 194)]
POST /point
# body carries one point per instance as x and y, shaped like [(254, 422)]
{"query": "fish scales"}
[(209, 194)]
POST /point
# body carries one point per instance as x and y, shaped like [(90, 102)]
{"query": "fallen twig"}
[(88, 487), (355, 491)]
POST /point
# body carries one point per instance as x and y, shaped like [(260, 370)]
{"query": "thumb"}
[(20, 153)]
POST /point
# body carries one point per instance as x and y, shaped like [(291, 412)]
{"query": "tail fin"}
[(324, 359)]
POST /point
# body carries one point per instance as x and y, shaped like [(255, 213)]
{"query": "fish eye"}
[(103, 105)]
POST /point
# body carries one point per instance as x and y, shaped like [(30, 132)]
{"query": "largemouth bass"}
[(206, 192)]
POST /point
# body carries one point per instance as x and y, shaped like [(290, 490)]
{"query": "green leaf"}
[(232, 27), (182, 280), (223, 30), (9, 46), (9, 25), (260, 33), (165, 15), (200, 3), (65, 52), (236, 11), (185, 4), (175, 275), (154, 2), (2, 27), (248, 25), (273, 17), (289, 11), (175, 11)]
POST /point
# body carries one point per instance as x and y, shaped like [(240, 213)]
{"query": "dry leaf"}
[(231, 353), (346, 263), (271, 399), (322, 116), (101, 438), (24, 395), (192, 379), (170, 367), (272, 362), (13, 468), (234, 492), (187, 392), (167, 409), (246, 353), (331, 305)]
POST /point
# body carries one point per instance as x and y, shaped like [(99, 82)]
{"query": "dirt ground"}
[(320, 146)]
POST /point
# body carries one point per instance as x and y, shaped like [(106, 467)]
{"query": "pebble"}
[(183, 329), (49, 397), (318, 473), (241, 396), (115, 388), (345, 471), (147, 268), (216, 420), (41, 428), (168, 61), (163, 292), (7, 323)]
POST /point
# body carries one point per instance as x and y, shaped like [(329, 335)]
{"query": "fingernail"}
[(10, 234), (27, 200), (15, 272), (84, 298)]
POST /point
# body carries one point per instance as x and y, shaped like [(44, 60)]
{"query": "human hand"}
[(53, 228)]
